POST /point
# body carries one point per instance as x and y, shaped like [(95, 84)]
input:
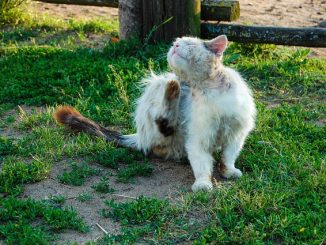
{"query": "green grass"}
[(280, 198), (13, 11), (126, 174), (103, 186), (17, 218), (78, 175), (111, 157), (15, 173), (7, 146), (84, 197)]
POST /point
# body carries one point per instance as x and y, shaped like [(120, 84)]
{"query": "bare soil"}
[(166, 181)]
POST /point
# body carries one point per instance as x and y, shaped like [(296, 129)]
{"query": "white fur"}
[(215, 110)]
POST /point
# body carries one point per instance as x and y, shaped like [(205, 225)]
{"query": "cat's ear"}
[(217, 45)]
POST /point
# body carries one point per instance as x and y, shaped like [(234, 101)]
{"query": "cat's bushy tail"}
[(72, 119)]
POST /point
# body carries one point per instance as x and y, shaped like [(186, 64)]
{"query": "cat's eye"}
[(190, 44)]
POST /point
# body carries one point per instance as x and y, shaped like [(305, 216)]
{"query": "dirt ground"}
[(167, 180)]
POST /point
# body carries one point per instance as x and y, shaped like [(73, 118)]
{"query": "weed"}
[(128, 236), (66, 218), (135, 169), (3, 109), (84, 197), (12, 11), (143, 210), (103, 186), (17, 217), (7, 146), (111, 157), (22, 233), (15, 173), (78, 175), (57, 200), (33, 119)]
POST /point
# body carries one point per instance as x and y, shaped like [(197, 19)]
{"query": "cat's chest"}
[(212, 102)]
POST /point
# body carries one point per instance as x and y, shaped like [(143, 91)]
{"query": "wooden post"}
[(130, 19), (184, 18), (221, 10)]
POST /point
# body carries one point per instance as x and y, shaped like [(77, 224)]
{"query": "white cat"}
[(199, 108)]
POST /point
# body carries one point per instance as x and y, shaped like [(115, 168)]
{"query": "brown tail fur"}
[(71, 118)]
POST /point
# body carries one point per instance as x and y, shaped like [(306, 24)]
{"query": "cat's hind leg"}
[(230, 154), (168, 117)]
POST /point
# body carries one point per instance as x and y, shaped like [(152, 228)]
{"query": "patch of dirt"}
[(66, 12), (321, 122), (282, 12), (10, 131), (167, 180)]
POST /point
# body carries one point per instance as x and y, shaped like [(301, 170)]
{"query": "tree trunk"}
[(130, 19), (183, 16)]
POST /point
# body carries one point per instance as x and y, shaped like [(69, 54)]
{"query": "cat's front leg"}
[(202, 165), (200, 139), (230, 154)]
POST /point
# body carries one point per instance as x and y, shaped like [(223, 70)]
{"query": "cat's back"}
[(237, 81), (241, 100)]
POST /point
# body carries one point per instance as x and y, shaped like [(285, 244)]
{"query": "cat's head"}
[(193, 59)]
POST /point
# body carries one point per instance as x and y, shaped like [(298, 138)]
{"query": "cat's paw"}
[(172, 90), (202, 184), (231, 173)]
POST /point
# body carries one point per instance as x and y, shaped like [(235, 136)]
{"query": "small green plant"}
[(103, 186), (7, 146), (15, 173), (9, 120), (66, 218), (57, 200), (84, 197), (111, 157), (143, 210), (128, 236), (12, 11), (33, 119), (125, 175), (78, 174), (17, 217)]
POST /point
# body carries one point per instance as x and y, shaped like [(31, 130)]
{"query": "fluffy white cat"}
[(200, 108)]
